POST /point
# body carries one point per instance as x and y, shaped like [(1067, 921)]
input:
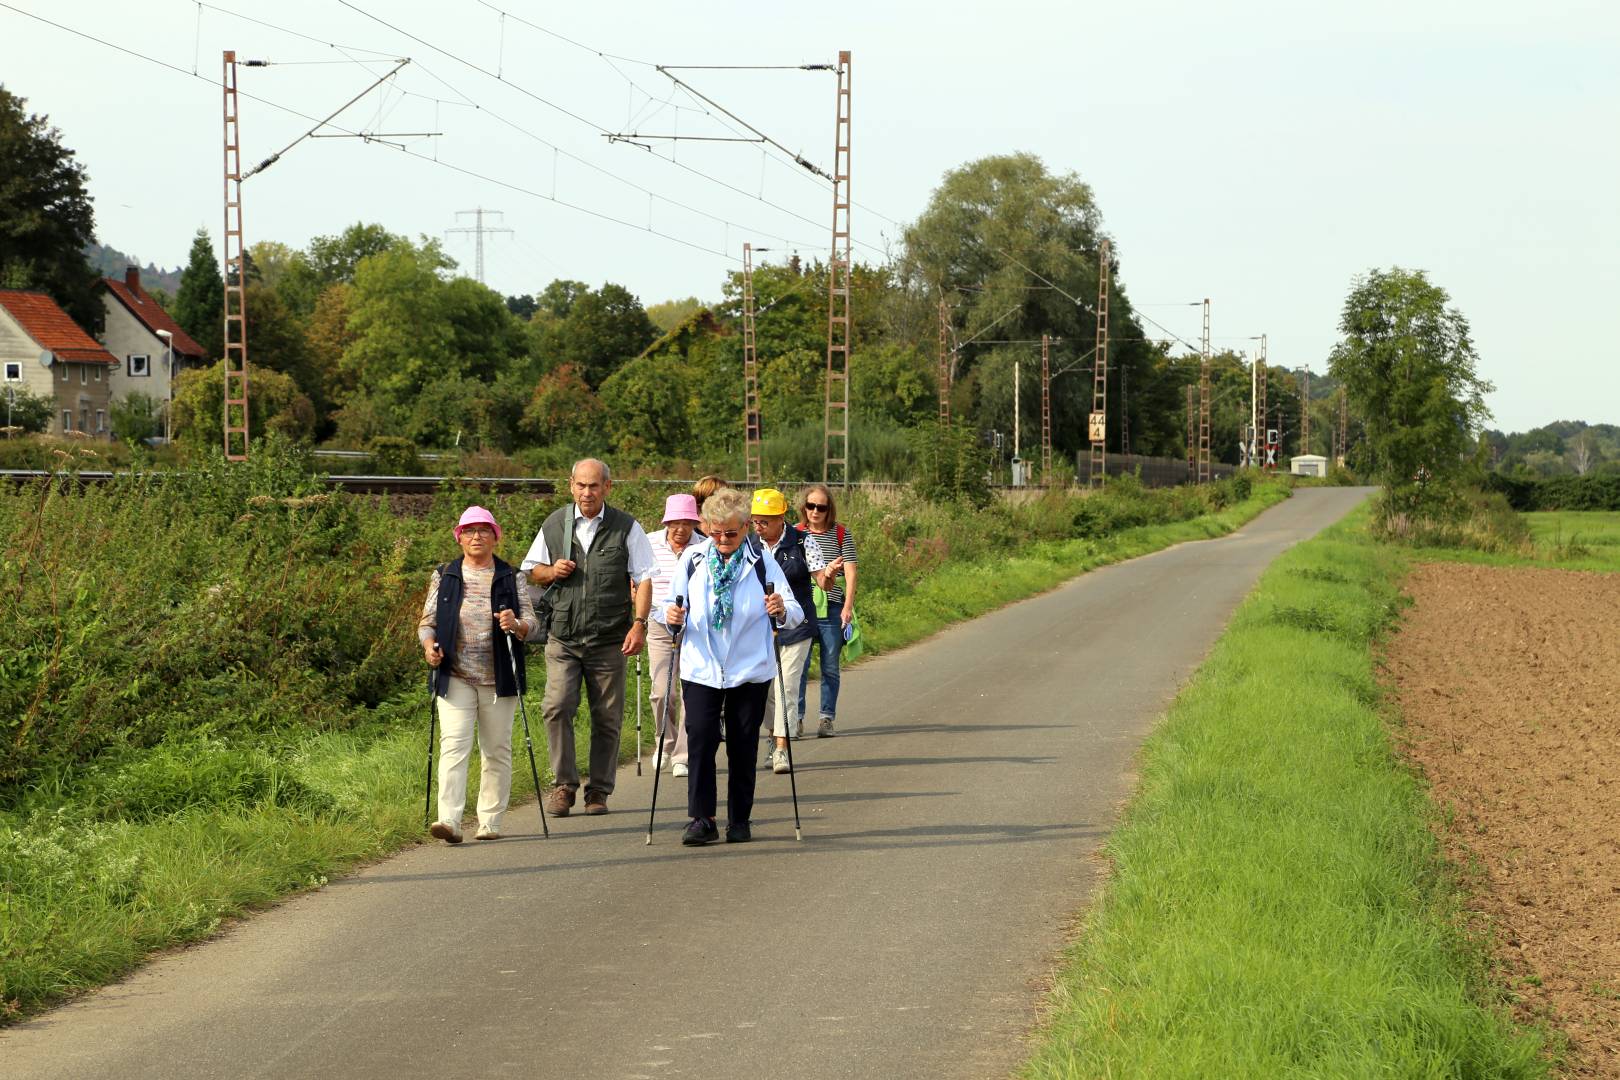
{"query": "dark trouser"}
[(743, 708), (600, 669)]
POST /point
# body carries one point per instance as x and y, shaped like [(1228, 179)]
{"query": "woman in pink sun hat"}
[(471, 603), (680, 521)]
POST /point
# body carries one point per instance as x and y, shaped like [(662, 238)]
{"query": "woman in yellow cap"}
[(787, 547)]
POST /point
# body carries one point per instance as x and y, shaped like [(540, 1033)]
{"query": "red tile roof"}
[(52, 329), (151, 313)]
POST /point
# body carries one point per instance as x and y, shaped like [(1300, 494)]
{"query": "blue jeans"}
[(830, 637)]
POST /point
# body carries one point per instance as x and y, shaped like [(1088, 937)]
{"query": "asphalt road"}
[(949, 834)]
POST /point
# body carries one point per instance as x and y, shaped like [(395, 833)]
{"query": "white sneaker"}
[(487, 832), (678, 769), (444, 830), (779, 761)]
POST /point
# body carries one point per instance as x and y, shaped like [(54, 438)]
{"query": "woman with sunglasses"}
[(472, 603), (831, 548), (727, 660)]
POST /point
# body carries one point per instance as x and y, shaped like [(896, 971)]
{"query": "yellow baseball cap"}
[(769, 502)]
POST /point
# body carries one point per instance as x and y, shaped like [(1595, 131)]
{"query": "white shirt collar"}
[(578, 513)]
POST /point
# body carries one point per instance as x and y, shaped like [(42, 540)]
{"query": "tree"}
[(276, 404), (563, 406), (596, 330), (523, 306), (136, 417), (646, 407), (26, 411), (1407, 363), (199, 306), (46, 216), (277, 341), (671, 313)]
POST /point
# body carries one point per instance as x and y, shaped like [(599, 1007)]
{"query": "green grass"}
[(144, 847), (1563, 539), (1278, 906)]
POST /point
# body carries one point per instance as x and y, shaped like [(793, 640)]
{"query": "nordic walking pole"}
[(433, 722), (528, 743), (669, 691), (781, 696), (638, 714)]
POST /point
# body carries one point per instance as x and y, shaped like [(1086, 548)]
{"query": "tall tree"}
[(46, 216), (1408, 364), (199, 306)]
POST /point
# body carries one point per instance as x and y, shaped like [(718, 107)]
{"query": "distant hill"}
[(110, 262), (1560, 448)]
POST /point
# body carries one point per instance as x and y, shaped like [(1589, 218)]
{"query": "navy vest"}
[(502, 594), (795, 566)]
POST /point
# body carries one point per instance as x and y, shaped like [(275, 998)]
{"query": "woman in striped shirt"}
[(680, 520), (830, 545)]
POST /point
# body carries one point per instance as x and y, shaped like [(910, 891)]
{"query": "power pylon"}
[(1204, 471), (1099, 375), (835, 443), (1192, 439), (751, 427), (1305, 411), (1046, 410), (945, 363), (236, 369), (479, 231)]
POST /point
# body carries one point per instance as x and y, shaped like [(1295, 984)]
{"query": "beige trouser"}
[(664, 662), (463, 708), (785, 707), (601, 669)]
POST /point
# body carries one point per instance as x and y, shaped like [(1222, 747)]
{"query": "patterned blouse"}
[(475, 639)]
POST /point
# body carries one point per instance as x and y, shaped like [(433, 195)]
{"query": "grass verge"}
[(1278, 906), (103, 863), (1561, 539)]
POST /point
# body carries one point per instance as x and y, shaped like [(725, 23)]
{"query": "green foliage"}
[(596, 330), (952, 463), (275, 406), (1408, 364), (881, 452), (29, 411), (136, 417), (199, 306), (1277, 904), (1595, 491), (643, 402), (671, 313), (393, 456), (563, 406), (46, 215)]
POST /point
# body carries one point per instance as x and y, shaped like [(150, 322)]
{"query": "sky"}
[(1259, 153)]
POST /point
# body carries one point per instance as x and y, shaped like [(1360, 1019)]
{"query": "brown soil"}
[(1509, 682)]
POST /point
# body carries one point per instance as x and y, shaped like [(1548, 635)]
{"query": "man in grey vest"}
[(597, 563)]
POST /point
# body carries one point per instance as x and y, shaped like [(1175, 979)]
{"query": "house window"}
[(139, 364), (101, 421), (84, 375), (98, 373), (84, 418), (13, 372), (62, 372), (67, 420)]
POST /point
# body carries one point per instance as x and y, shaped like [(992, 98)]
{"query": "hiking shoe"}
[(825, 731), (595, 803), (445, 831), (487, 832), (701, 831), (560, 802), (779, 761), (679, 769), (739, 833), (798, 729)]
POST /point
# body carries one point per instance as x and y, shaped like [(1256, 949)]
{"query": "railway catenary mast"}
[(235, 307), (1204, 476), (752, 464), (1099, 375), (835, 444)]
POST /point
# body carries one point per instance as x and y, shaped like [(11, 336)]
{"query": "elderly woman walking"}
[(680, 520), (727, 660), (787, 547), (471, 603), (831, 550)]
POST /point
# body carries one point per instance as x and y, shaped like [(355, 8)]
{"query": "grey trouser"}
[(601, 669), (666, 675)]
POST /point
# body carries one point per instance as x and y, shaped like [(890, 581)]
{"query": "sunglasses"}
[(726, 534), (817, 508)]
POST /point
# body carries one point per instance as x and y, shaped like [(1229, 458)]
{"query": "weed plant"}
[(1278, 906)]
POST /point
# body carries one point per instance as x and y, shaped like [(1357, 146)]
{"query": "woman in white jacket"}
[(727, 660)]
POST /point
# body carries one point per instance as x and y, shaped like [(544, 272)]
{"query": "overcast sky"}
[(1257, 153)]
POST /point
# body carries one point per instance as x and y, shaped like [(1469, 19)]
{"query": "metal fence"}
[(1154, 471)]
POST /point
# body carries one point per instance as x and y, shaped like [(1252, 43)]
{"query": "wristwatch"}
[(642, 619)]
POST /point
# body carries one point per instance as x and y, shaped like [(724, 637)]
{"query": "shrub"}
[(394, 456)]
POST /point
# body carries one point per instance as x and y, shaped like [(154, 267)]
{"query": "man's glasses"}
[(816, 508)]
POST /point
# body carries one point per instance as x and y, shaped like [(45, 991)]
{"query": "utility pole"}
[(1099, 375), (1263, 432), (751, 433), (946, 363), (479, 231), (1018, 370), (1046, 410), (1124, 410), (835, 443), (1204, 471), (236, 369), (1192, 440), (1344, 427), (1305, 411)]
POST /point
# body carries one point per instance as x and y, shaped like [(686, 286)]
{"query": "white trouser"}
[(463, 708), (785, 707)]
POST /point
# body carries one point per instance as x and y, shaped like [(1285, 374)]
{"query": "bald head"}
[(590, 481)]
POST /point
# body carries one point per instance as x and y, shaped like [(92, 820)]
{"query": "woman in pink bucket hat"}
[(680, 521), (471, 604)]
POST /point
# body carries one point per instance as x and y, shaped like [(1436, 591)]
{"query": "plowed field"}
[(1509, 681)]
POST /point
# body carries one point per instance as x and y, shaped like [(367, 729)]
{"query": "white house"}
[(1308, 465), (44, 351), (149, 346)]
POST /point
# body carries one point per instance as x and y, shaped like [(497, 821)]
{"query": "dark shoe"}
[(701, 831), (560, 802), (595, 802), (739, 833)]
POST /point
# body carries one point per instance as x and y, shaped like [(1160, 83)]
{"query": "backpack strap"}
[(759, 565)]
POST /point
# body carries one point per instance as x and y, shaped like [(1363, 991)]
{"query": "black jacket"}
[(502, 594)]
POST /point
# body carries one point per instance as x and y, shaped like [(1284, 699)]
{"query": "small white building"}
[(1308, 465), (149, 346)]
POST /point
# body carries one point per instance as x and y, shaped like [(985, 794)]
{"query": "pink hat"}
[(680, 508), (477, 515)]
